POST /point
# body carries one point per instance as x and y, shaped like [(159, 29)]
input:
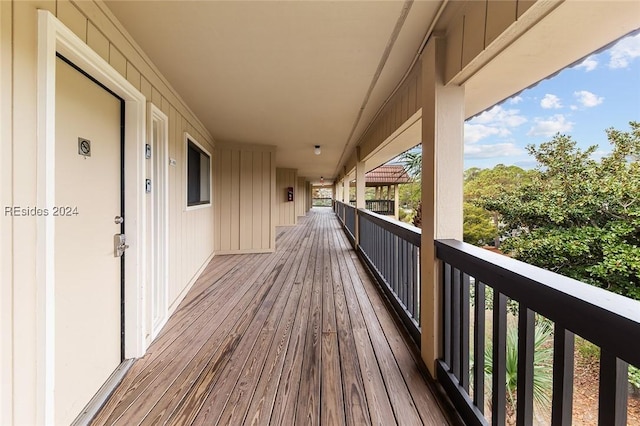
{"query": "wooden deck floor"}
[(300, 336)]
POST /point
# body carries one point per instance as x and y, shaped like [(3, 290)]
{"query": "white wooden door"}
[(87, 275)]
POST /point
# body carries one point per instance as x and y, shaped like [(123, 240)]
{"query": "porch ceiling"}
[(289, 74)]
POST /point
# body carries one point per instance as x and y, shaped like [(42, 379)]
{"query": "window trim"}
[(188, 138)]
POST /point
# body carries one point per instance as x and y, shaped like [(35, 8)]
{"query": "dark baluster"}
[(499, 369), (562, 403), (613, 390), (479, 345), (526, 331), (455, 322), (446, 311), (464, 332)]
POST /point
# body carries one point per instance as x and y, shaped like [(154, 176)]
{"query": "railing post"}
[(442, 171), (360, 190)]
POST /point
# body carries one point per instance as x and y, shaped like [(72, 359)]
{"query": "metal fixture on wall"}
[(316, 150)]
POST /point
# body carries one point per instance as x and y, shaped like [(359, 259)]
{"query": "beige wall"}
[(286, 210), (302, 197), (244, 185), (191, 232)]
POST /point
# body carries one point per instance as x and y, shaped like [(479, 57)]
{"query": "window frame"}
[(201, 204)]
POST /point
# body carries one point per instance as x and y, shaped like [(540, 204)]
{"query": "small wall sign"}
[(84, 147)]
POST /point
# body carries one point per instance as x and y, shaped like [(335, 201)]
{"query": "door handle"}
[(119, 245)]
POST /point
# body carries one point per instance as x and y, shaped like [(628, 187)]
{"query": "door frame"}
[(158, 220), (53, 36)]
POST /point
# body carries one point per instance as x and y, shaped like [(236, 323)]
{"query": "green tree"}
[(478, 228), (480, 184), (412, 161), (578, 216)]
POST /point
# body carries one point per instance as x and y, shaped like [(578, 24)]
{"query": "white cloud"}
[(492, 151), (494, 122), (475, 132), (498, 116), (515, 100), (624, 52), (550, 126), (589, 64), (587, 99), (550, 101)]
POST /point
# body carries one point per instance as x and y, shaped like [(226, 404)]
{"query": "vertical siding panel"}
[(156, 98), (97, 41), (412, 96), (166, 106), (235, 201), (225, 200), (523, 6), (117, 60), (145, 88), (474, 25), (266, 200), (133, 76), (453, 62), (256, 210), (246, 194), (500, 15), (73, 18)]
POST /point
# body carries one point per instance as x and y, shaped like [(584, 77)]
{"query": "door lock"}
[(119, 244), (118, 220)]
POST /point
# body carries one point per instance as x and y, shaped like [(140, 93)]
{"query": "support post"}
[(442, 168), (360, 192), (396, 202), (346, 188)]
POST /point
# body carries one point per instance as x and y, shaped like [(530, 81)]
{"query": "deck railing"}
[(350, 221), (525, 297), (384, 207), (391, 250)]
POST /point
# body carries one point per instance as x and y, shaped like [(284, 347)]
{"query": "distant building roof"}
[(387, 174)]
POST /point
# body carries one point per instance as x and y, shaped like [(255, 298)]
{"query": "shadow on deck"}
[(297, 336)]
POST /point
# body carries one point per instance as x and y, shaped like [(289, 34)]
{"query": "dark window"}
[(198, 175)]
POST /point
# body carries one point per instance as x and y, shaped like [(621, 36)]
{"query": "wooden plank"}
[(401, 400), (379, 405), (354, 394), (285, 405), (408, 360), (332, 400), (191, 388), (260, 409), (187, 336), (237, 404), (308, 406)]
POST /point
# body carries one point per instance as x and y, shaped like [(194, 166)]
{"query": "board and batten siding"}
[(244, 185), (286, 210), (301, 197), (191, 233)]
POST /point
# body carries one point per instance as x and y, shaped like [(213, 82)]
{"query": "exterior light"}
[(316, 150)]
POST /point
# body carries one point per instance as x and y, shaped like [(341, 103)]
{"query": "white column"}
[(442, 168), (360, 192), (360, 184), (396, 204), (345, 189)]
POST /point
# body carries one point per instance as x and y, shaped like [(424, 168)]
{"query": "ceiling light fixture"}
[(316, 150)]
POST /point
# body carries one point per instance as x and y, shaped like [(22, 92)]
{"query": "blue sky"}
[(602, 91)]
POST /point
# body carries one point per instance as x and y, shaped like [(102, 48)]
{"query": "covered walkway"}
[(298, 336)]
